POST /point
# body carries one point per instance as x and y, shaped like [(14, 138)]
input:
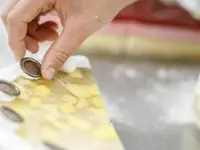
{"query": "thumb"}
[(70, 39)]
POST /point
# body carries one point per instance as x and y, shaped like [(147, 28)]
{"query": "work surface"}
[(149, 102)]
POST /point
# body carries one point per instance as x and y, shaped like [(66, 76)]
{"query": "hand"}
[(79, 18)]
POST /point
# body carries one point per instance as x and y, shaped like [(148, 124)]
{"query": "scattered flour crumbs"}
[(122, 71), (114, 111), (175, 112), (180, 111)]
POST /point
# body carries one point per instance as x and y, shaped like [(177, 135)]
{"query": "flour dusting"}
[(180, 111), (161, 73), (131, 73), (122, 71), (115, 112)]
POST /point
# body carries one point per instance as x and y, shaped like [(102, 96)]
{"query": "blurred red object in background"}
[(156, 12)]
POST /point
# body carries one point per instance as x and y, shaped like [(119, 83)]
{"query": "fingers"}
[(17, 22), (10, 6), (43, 32), (31, 44), (70, 39), (5, 14), (49, 24), (37, 33), (46, 32), (49, 16)]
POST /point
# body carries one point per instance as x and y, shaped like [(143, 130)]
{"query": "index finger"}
[(17, 22)]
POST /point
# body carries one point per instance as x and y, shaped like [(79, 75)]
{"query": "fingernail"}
[(17, 58), (49, 73)]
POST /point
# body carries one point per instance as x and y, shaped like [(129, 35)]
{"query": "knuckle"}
[(61, 57), (11, 44), (4, 16), (11, 19)]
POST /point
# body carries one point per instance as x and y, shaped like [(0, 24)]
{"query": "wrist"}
[(124, 3)]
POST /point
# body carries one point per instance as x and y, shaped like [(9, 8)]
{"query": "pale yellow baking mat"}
[(67, 112)]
